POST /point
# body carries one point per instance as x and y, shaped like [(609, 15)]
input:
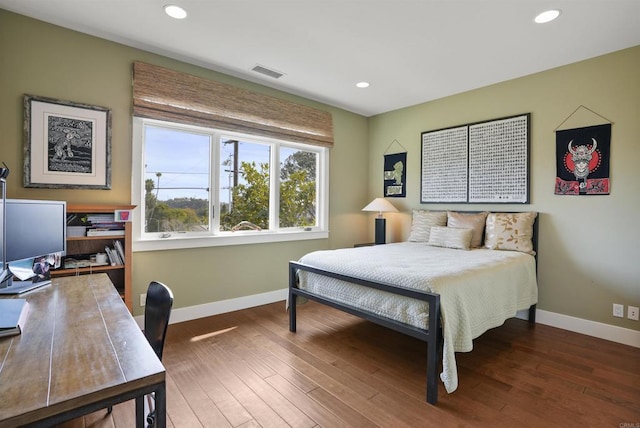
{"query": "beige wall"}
[(45, 60), (589, 252)]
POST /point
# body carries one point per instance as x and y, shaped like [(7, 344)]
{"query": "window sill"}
[(236, 238)]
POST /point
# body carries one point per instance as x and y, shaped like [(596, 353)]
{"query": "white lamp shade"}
[(381, 205)]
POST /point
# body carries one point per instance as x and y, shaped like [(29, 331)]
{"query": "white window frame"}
[(143, 241)]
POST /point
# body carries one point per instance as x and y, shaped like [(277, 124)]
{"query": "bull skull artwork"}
[(581, 157), (582, 160)]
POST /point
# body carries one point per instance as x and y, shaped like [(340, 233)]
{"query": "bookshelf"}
[(79, 247)]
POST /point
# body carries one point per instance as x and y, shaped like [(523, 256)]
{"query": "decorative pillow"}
[(450, 237), (422, 222), (510, 231), (475, 221)]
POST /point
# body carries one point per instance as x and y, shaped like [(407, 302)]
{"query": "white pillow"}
[(451, 237), (423, 221)]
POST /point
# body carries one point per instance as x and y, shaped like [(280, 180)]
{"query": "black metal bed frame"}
[(432, 335)]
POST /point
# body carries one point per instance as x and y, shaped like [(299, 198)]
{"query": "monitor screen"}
[(33, 228)]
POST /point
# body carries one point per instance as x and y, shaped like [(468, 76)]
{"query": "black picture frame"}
[(66, 144), (481, 162)]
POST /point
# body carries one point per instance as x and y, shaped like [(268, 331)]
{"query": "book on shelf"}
[(105, 232), (70, 263), (101, 218), (120, 250), (110, 256), (113, 256), (13, 316), (113, 225)]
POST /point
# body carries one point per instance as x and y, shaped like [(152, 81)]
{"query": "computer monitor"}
[(31, 229)]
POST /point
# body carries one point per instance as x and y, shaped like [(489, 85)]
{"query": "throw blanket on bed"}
[(479, 289)]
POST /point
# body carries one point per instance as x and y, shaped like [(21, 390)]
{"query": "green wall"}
[(45, 60), (589, 252)]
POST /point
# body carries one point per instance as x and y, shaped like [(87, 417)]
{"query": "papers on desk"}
[(13, 316), (23, 269)]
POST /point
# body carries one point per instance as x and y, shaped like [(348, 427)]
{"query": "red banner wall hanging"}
[(582, 160)]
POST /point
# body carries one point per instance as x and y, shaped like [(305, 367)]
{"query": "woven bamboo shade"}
[(164, 94)]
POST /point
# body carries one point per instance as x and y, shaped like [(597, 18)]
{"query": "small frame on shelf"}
[(67, 144), (122, 215)]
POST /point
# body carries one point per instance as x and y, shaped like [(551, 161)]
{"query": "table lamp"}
[(380, 205)]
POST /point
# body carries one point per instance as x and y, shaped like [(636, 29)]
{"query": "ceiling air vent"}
[(267, 72)]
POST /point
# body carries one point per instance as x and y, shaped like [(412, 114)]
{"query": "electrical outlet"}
[(143, 299), (618, 310), (632, 312)]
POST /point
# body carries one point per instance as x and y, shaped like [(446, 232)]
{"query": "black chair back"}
[(157, 311), (156, 315)]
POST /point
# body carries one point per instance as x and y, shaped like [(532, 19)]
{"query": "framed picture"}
[(66, 144), (483, 162)]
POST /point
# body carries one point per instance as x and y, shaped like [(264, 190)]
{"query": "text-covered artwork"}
[(485, 162), (498, 161), (444, 165), (582, 160)]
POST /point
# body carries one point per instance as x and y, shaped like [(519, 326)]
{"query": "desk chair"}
[(156, 320), (156, 315)]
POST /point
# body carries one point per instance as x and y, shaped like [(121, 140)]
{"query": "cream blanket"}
[(479, 289)]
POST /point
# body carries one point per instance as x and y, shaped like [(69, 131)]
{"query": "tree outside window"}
[(178, 171)]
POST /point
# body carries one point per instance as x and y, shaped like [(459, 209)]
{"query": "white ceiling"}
[(411, 51)]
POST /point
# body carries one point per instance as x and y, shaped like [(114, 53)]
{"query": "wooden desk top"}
[(80, 345)]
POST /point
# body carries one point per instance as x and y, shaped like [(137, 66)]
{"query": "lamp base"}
[(380, 231)]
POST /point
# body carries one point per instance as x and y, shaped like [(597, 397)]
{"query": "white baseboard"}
[(223, 306), (578, 325), (590, 328)]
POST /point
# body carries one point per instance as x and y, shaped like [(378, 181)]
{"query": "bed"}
[(457, 276)]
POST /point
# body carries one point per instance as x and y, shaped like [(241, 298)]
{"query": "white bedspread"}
[(479, 289)]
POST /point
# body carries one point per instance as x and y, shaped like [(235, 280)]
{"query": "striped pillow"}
[(423, 221)]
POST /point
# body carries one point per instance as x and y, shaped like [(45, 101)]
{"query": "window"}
[(176, 180), (197, 186)]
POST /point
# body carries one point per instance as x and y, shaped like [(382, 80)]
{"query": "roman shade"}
[(164, 94)]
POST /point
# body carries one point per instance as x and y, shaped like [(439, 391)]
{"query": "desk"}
[(80, 351)]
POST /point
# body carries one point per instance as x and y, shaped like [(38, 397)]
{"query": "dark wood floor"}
[(245, 369)]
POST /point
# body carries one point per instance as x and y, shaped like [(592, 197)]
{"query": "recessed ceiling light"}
[(362, 84), (175, 11), (547, 16)]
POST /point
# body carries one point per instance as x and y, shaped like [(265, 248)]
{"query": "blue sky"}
[(183, 160)]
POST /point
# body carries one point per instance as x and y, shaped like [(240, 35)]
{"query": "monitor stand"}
[(19, 287)]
